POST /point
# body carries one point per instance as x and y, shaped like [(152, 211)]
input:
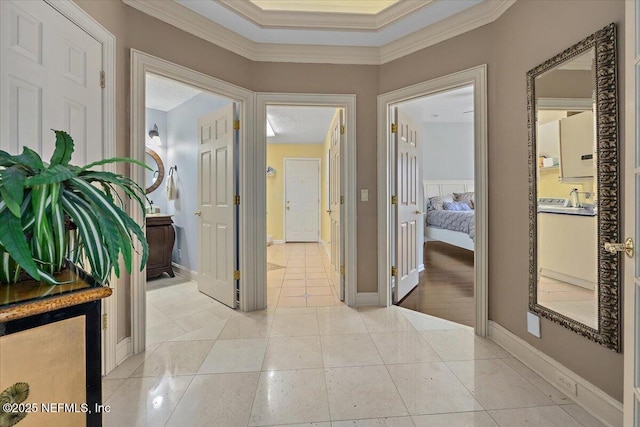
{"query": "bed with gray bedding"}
[(461, 221)]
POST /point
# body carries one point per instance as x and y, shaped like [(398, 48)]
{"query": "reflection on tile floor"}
[(305, 279), (209, 365), (573, 301)]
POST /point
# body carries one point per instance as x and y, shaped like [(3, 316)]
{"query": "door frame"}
[(82, 19), (284, 193), (348, 103), (141, 64), (477, 77)]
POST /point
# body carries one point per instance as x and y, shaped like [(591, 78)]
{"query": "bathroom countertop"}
[(568, 211)]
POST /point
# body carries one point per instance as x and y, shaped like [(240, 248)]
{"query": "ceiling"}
[(165, 94), (325, 31), (453, 106), (298, 124)]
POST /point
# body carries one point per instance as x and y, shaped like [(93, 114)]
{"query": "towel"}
[(171, 191)]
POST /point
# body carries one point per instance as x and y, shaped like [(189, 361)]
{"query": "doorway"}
[(389, 126), (434, 230)]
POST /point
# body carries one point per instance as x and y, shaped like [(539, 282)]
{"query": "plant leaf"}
[(115, 160), (15, 242), (13, 181), (64, 149), (31, 159), (53, 174), (13, 206)]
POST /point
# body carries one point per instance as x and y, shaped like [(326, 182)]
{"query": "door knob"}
[(419, 212), (198, 213), (626, 247), (329, 211)]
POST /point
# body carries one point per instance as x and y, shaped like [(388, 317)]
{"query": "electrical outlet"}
[(567, 384), (180, 254)]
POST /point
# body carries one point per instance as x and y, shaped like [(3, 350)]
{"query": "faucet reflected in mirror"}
[(573, 165)]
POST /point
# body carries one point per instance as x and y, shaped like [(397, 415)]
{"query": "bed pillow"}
[(467, 198), (436, 203), (456, 206)]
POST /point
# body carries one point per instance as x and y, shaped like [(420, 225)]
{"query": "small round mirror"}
[(156, 175)]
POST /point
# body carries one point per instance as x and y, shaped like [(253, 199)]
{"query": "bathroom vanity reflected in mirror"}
[(573, 189)]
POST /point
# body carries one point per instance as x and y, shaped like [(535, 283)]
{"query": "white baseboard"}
[(566, 278), (421, 267), (365, 299), (597, 402), (124, 349), (278, 242), (185, 272)]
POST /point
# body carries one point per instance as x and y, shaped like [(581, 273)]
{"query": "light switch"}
[(364, 195), (533, 324)]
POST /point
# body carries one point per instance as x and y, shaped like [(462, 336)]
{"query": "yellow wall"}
[(549, 185), (276, 154), (325, 219)]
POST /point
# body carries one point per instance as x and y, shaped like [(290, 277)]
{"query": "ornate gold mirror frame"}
[(609, 275), (160, 170)]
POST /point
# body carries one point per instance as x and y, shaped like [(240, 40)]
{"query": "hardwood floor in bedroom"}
[(445, 289)]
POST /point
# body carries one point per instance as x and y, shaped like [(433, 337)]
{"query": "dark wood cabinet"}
[(161, 236)]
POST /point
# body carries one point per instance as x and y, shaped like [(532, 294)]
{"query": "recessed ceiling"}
[(299, 124), (453, 106), (165, 94), (342, 6)]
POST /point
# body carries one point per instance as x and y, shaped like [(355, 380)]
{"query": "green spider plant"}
[(57, 211)]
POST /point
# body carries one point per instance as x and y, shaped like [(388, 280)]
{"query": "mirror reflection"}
[(567, 190)]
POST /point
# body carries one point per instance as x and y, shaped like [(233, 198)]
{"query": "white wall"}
[(182, 128), (447, 150)]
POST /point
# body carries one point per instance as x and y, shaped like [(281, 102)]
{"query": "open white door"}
[(302, 200), (216, 201), (632, 214), (335, 192), (407, 212)]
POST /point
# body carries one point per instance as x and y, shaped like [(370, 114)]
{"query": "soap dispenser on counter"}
[(575, 198)]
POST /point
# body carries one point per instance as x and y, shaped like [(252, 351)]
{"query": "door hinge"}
[(342, 200), (394, 200), (341, 129), (236, 275), (394, 271), (394, 128), (236, 200), (236, 125), (342, 270), (103, 80), (105, 322)]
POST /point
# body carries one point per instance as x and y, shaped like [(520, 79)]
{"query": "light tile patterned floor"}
[(571, 300), (208, 365), (305, 279)]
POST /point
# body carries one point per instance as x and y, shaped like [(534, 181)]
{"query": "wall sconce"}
[(270, 171), (155, 136)]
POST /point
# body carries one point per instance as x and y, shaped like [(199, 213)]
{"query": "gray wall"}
[(182, 125), (160, 118), (446, 150)]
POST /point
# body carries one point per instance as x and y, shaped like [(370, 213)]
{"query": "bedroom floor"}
[(445, 289)]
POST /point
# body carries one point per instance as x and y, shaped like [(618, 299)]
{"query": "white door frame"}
[(141, 64), (284, 193), (476, 76), (79, 17), (348, 102), (631, 413)]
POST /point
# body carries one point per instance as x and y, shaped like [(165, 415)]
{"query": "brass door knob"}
[(626, 247), (198, 213), (419, 212), (329, 211)]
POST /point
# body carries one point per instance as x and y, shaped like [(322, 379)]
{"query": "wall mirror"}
[(574, 189), (154, 176)]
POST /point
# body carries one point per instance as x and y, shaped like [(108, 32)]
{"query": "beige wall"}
[(529, 33), (276, 153)]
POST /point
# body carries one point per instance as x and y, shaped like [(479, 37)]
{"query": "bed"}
[(453, 227)]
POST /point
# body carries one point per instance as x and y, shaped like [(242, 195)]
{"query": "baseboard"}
[(566, 278), (124, 349), (421, 267), (365, 299), (278, 242), (183, 271), (591, 398)]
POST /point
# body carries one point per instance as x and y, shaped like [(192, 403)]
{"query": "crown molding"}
[(463, 22), (324, 21), (185, 19)]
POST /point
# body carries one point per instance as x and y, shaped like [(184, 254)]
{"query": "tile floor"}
[(208, 365), (573, 301), (304, 279)]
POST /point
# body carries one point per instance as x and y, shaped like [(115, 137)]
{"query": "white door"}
[(217, 211), (335, 205), (302, 200), (49, 79), (632, 213), (407, 212)]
